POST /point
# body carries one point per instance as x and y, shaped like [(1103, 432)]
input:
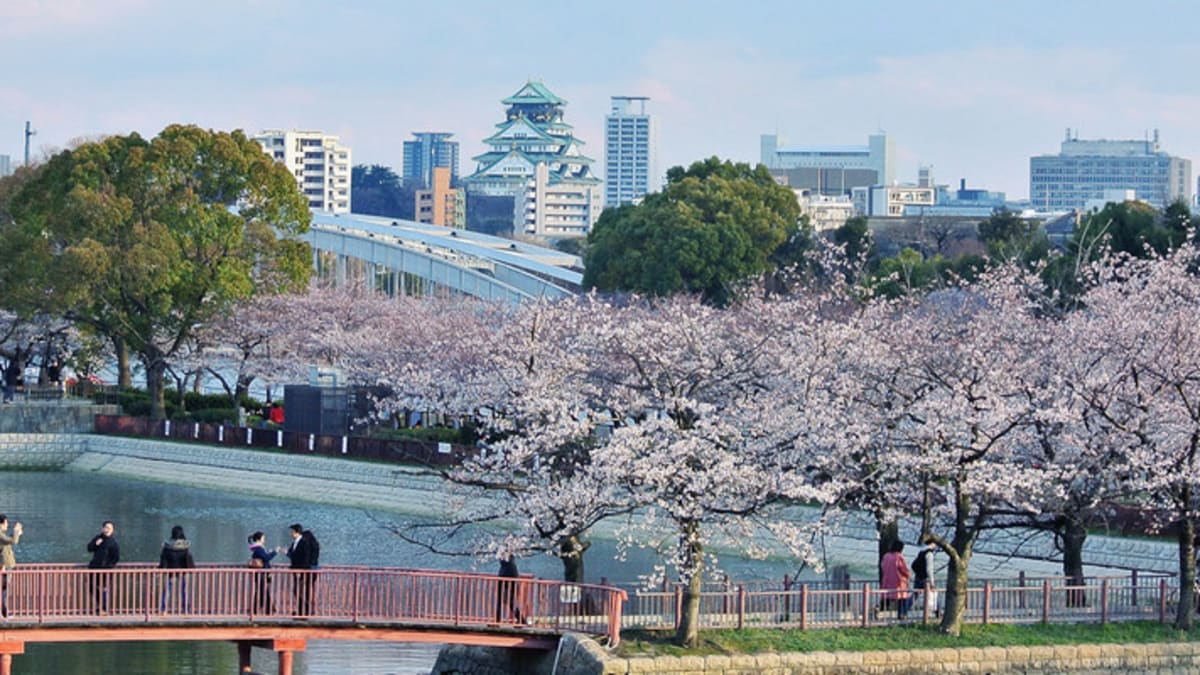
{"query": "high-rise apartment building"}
[(320, 164), (1085, 170), (428, 150), (441, 204), (830, 169), (536, 161), (5, 166), (629, 151)]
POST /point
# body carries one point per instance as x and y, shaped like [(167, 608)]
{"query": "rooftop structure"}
[(561, 200)]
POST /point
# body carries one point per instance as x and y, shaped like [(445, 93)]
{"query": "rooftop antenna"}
[(28, 132)]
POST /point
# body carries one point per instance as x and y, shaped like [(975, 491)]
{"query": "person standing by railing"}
[(8, 559), (260, 559), (895, 579), (176, 554), (105, 556), (507, 607), (923, 582), (305, 554)]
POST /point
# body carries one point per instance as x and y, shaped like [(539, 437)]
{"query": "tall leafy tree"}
[(713, 226), (149, 239), (376, 190)]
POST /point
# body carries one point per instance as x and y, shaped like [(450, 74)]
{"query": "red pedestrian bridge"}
[(280, 609)]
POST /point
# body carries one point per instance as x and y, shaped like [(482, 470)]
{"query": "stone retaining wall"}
[(581, 656), (51, 417), (260, 472)]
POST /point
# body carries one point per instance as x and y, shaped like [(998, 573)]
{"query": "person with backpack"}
[(923, 581)]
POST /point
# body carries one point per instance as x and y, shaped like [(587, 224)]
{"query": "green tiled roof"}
[(533, 125), (534, 92)]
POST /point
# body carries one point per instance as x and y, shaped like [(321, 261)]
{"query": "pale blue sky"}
[(971, 88)]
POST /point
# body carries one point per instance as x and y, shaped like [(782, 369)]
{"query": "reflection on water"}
[(60, 511)]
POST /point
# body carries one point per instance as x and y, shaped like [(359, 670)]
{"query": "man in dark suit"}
[(305, 554), (105, 556)]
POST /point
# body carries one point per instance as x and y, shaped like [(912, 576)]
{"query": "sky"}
[(972, 88)]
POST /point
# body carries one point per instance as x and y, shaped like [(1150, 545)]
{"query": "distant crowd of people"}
[(303, 552)]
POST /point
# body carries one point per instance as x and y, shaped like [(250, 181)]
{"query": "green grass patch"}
[(757, 641)]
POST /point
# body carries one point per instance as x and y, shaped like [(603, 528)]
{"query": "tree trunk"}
[(124, 372), (1187, 568), (889, 532), (571, 551), (688, 633), (1073, 536), (959, 553), (156, 386)]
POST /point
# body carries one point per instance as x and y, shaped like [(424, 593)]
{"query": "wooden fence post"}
[(1103, 601), (803, 606), (987, 601), (741, 598), (866, 605), (1045, 601)]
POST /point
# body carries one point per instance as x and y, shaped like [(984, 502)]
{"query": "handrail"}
[(46, 594)]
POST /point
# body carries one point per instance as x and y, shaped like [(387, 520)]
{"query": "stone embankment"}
[(581, 656)]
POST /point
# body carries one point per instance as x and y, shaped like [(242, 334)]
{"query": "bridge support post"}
[(243, 648), (7, 649), (286, 650)]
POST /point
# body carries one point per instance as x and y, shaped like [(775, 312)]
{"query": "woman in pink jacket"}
[(895, 575)]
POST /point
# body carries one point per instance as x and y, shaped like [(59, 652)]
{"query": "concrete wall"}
[(576, 655), (1132, 659), (51, 417)]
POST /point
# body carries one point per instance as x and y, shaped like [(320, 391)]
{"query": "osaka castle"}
[(537, 163)]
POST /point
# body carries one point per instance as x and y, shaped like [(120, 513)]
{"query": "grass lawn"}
[(753, 641)]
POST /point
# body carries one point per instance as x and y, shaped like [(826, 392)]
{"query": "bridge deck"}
[(60, 603)]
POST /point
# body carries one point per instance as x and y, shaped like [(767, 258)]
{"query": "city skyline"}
[(972, 92)]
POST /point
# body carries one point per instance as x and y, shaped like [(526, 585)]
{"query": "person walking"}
[(305, 556), (260, 558), (176, 554), (506, 590), (105, 556), (8, 559), (895, 579)]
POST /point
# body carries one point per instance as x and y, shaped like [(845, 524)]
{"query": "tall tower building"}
[(1084, 170), (5, 165), (629, 151), (320, 164), (535, 165), (429, 149)]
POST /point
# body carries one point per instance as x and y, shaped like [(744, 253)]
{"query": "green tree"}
[(1008, 236), (376, 190), (714, 225), (149, 239), (855, 237), (1129, 227)]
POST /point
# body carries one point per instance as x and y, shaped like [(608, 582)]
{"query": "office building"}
[(823, 211), (428, 150), (892, 201), (441, 204), (320, 164), (1084, 170), (6, 167), (830, 169), (629, 151), (536, 161)]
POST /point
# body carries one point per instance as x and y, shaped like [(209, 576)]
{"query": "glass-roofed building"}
[(536, 161)]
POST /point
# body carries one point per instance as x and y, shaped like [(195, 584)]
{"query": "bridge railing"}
[(49, 594), (1050, 600)]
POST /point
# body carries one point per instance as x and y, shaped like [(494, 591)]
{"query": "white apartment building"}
[(892, 201), (824, 212), (320, 164), (630, 135)]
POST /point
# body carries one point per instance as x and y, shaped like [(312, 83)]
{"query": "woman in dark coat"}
[(260, 558), (176, 555)]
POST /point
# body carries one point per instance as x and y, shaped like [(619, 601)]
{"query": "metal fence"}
[(862, 603), (356, 447)]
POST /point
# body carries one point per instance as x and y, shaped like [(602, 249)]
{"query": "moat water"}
[(60, 511)]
